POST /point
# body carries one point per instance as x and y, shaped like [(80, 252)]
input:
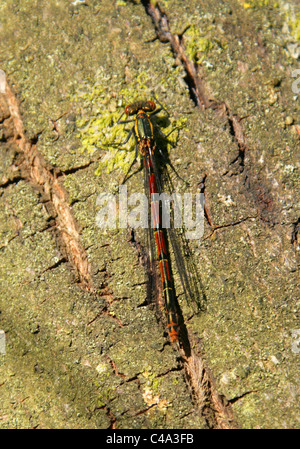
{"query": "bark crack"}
[(40, 175), (259, 193)]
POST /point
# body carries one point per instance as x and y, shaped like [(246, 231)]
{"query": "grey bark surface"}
[(80, 352)]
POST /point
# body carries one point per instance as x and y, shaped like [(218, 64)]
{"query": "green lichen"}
[(295, 27), (199, 44), (98, 128), (254, 4), (292, 23), (106, 396), (152, 381)]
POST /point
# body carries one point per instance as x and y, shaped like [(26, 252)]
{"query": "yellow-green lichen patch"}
[(254, 4), (152, 381), (294, 24), (100, 110), (200, 43), (152, 394)]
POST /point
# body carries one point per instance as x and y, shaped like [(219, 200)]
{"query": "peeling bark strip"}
[(164, 34), (39, 174), (193, 80), (198, 95), (214, 407)]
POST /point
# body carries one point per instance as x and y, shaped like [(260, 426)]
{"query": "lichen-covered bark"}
[(80, 352)]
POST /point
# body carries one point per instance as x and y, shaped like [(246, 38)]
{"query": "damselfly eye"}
[(151, 105), (128, 109)]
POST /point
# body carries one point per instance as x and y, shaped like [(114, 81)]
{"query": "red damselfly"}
[(146, 145)]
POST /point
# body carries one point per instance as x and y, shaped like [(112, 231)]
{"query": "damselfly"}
[(146, 145)]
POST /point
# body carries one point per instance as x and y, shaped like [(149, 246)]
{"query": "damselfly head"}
[(149, 106), (141, 105)]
